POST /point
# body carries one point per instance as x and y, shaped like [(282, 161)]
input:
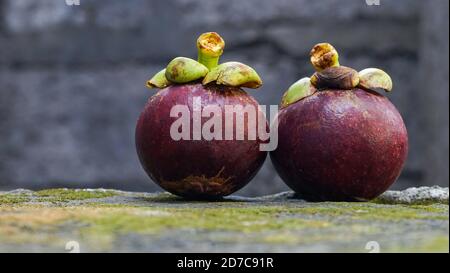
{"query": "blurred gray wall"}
[(72, 78)]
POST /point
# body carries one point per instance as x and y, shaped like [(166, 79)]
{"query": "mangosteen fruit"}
[(184, 139), (339, 139)]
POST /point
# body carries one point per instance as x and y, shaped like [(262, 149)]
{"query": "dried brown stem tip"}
[(323, 56)]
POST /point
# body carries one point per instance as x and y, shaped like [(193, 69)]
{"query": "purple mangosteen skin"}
[(340, 145), (197, 169)]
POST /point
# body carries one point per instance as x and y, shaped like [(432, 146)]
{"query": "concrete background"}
[(72, 77)]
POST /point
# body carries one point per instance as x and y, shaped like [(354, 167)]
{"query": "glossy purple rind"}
[(196, 169), (340, 145)]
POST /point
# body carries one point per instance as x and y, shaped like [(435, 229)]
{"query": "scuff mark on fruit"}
[(207, 187)]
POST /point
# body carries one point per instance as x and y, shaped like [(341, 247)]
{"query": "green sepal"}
[(234, 74), (159, 80), (184, 70), (297, 91), (374, 78)]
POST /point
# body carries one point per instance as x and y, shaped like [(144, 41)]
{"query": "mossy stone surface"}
[(116, 221)]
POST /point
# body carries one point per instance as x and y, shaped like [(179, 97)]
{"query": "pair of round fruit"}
[(338, 138)]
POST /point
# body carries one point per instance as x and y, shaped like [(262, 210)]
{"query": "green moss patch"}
[(65, 195), (368, 211), (8, 199), (52, 217)]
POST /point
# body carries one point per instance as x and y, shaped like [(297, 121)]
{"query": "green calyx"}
[(299, 90), (374, 78), (210, 47), (234, 74), (183, 70), (159, 80), (330, 75)]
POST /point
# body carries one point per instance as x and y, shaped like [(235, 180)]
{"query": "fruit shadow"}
[(167, 198)]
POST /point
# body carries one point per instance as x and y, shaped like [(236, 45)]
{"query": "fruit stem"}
[(323, 56), (210, 47)]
